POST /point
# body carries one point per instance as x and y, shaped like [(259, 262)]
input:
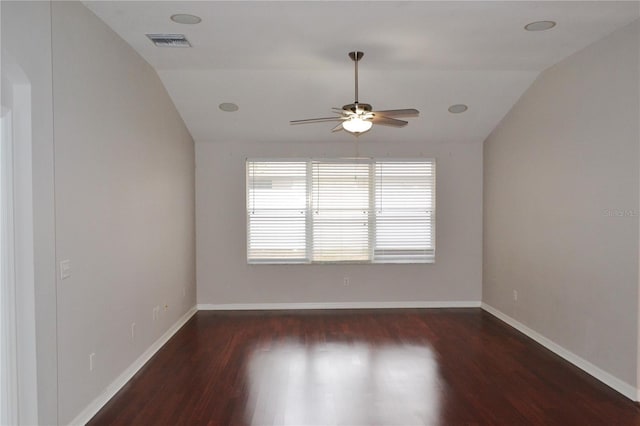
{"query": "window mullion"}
[(249, 199), (372, 210), (309, 212)]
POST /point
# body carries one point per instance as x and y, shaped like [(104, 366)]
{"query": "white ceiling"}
[(283, 60)]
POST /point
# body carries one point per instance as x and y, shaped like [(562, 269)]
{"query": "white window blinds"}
[(363, 210), (405, 211), (276, 211), (340, 202)]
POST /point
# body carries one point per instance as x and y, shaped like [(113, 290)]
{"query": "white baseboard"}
[(624, 388), (335, 305), (117, 384)]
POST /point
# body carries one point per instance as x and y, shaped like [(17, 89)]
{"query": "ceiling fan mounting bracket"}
[(356, 56)]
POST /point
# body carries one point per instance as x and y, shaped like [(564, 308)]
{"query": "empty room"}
[(320, 213)]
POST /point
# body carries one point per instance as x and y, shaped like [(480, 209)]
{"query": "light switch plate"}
[(65, 269)]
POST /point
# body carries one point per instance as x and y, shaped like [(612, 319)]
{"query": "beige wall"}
[(225, 278), (561, 206), (124, 187)]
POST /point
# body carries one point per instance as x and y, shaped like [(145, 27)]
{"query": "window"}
[(346, 210)]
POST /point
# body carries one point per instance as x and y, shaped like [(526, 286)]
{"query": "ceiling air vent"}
[(169, 40)]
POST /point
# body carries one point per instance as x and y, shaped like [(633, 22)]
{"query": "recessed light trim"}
[(185, 18), (228, 107), (458, 108), (540, 25)]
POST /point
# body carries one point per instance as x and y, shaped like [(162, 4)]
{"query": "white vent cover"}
[(169, 40)]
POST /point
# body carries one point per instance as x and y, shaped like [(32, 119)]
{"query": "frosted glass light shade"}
[(357, 125)]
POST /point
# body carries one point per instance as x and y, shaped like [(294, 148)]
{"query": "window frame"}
[(429, 257)]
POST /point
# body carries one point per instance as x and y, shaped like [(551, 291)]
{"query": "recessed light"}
[(458, 108), (185, 18), (540, 26), (228, 107)]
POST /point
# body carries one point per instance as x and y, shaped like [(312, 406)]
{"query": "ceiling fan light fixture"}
[(358, 118), (357, 125)]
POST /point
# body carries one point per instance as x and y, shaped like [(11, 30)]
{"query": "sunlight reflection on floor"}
[(343, 384)]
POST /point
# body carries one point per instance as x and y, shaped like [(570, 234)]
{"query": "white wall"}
[(26, 43), (124, 186), (561, 206), (224, 277)]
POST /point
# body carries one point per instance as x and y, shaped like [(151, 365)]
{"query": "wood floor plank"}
[(362, 367)]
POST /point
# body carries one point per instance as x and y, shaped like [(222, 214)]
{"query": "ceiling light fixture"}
[(185, 18), (356, 125), (540, 26), (228, 107), (357, 118), (458, 108)]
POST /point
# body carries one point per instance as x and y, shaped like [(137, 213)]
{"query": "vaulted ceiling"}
[(284, 60)]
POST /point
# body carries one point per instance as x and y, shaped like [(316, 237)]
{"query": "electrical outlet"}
[(133, 330), (91, 357), (346, 281), (166, 307), (515, 295)]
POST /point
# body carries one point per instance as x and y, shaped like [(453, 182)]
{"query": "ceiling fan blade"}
[(337, 128), (386, 121), (316, 120), (407, 112)]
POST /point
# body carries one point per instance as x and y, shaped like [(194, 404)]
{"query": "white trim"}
[(127, 374), (18, 230), (624, 388), (335, 305), (24, 254), (9, 373)]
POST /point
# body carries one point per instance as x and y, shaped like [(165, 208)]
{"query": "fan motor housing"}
[(362, 107)]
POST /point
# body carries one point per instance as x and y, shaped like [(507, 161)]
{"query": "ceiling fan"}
[(358, 118)]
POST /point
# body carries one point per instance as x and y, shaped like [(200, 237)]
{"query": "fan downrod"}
[(355, 57)]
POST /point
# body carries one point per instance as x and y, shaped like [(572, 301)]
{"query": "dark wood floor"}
[(385, 367)]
